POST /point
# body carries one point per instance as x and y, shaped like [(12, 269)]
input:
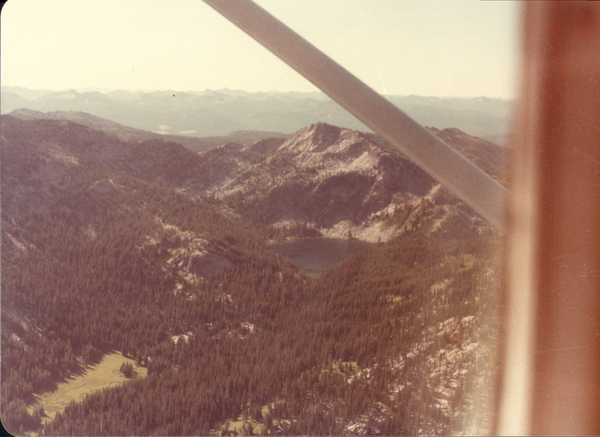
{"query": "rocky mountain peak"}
[(315, 138), (329, 147)]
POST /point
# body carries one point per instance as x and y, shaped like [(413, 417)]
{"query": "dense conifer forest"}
[(398, 340)]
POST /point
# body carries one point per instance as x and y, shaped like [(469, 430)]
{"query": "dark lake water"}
[(314, 255)]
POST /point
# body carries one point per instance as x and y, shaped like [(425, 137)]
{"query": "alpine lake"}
[(313, 255)]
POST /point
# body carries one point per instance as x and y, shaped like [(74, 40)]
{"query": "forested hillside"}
[(147, 248)]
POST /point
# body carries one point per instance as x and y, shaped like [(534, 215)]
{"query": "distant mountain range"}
[(218, 113)]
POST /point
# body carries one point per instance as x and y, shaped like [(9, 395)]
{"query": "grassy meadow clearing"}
[(96, 377)]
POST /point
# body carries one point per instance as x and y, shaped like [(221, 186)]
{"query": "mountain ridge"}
[(335, 180), (339, 181), (128, 133)]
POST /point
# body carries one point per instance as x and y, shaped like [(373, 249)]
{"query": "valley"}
[(188, 260)]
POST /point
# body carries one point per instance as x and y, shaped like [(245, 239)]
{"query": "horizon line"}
[(107, 90)]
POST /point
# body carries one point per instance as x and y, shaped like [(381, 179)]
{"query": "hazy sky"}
[(422, 47)]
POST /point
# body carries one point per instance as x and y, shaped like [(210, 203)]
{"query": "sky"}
[(455, 48)]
